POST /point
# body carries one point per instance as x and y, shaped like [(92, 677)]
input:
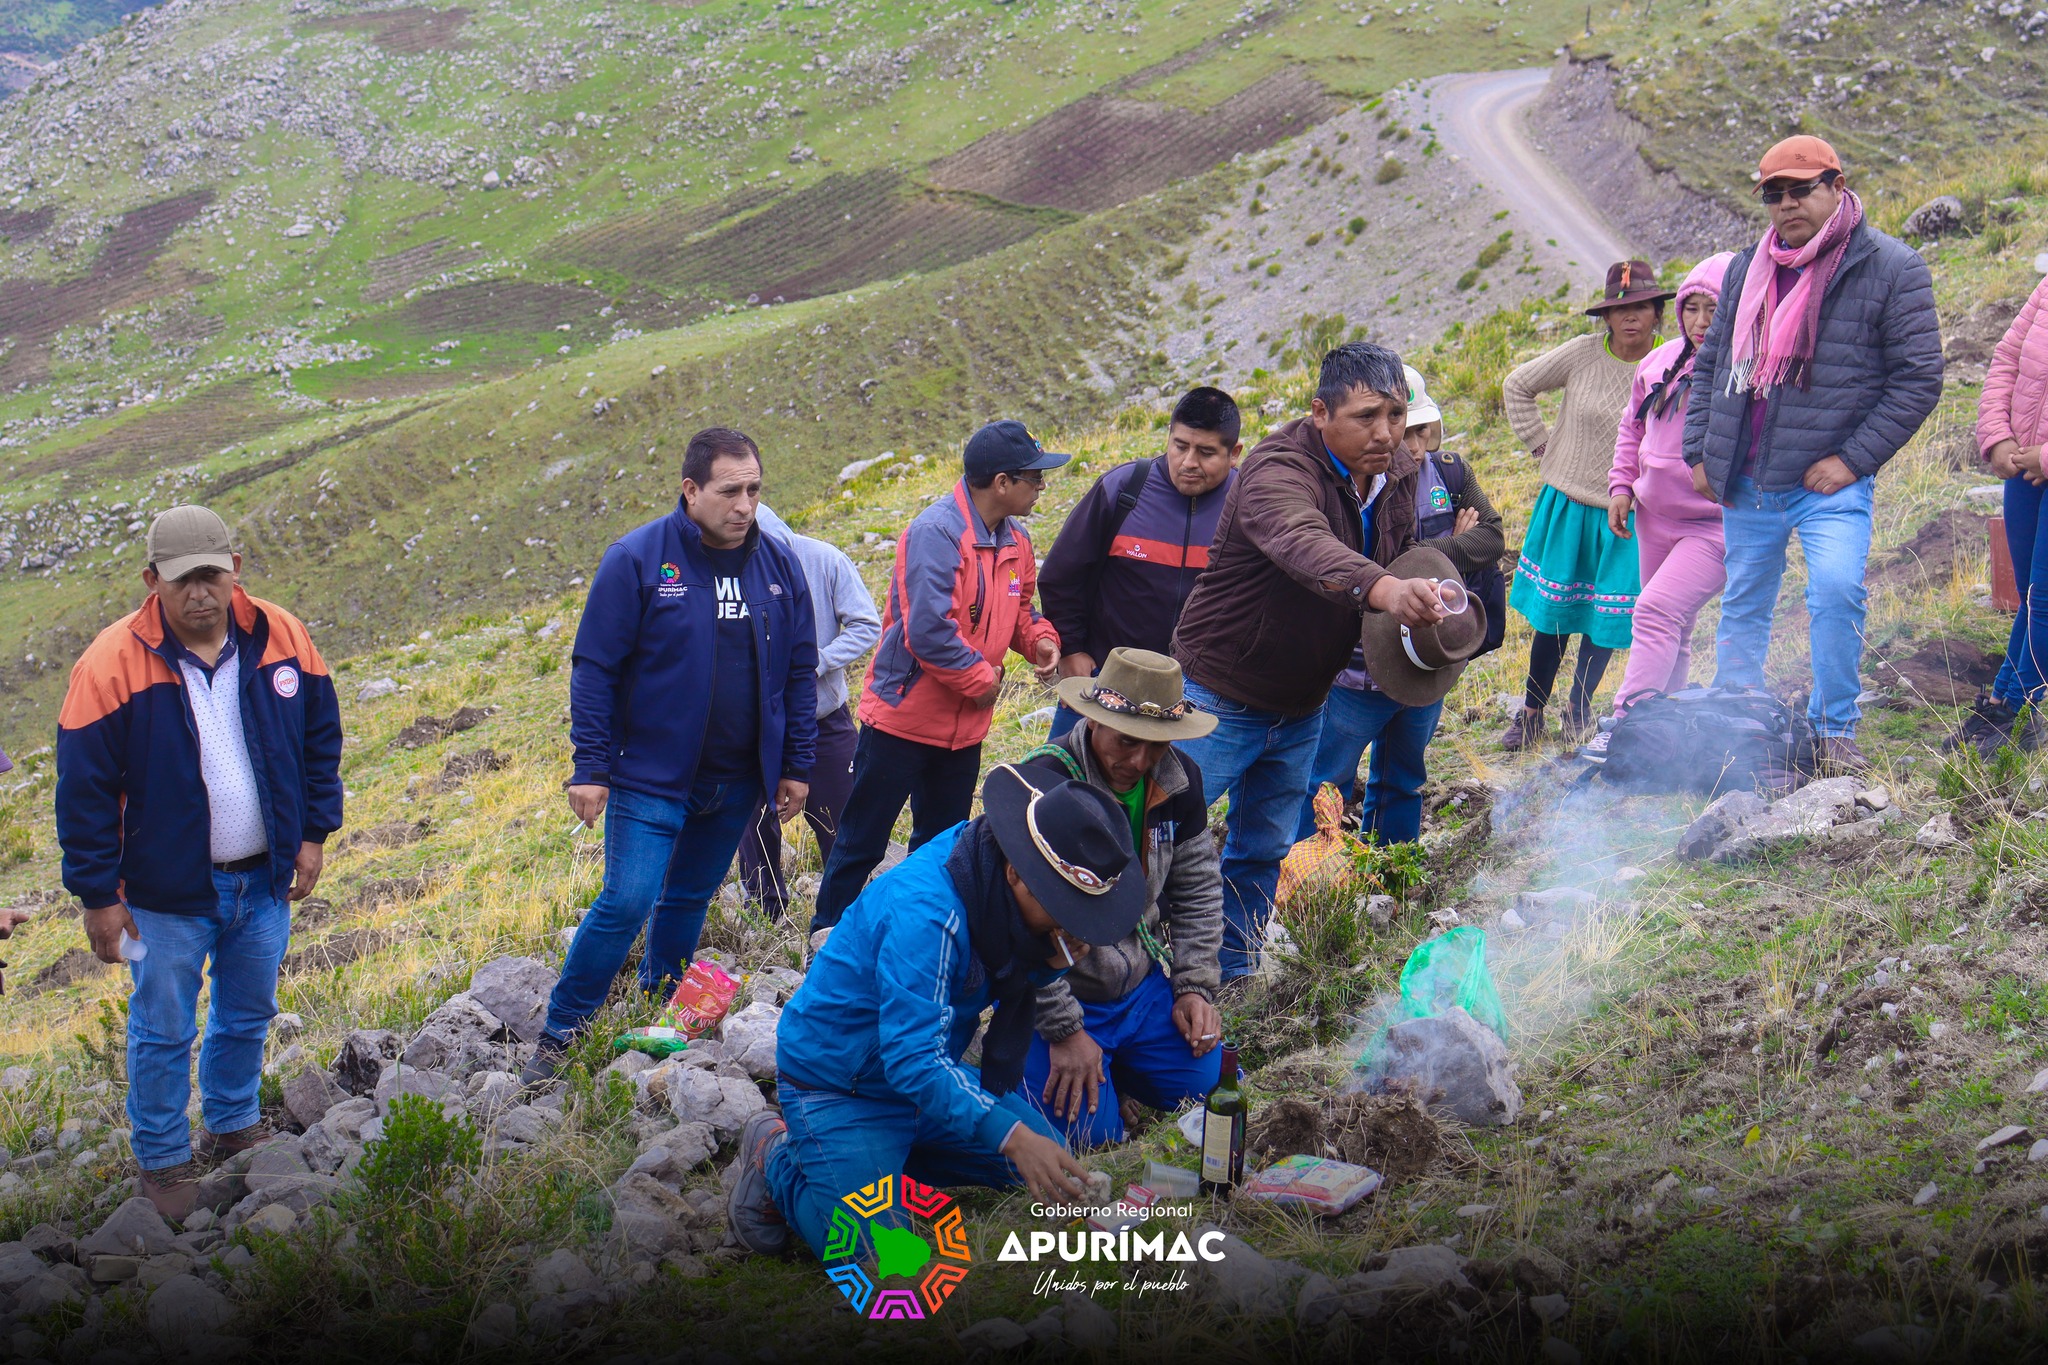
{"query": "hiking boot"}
[(1992, 724), (1525, 731), (1578, 718), (1840, 756), (750, 1212), (1596, 747), (549, 1056), (174, 1190), (214, 1148)]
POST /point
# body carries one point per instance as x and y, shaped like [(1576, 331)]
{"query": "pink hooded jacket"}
[(1649, 450), (2014, 405)]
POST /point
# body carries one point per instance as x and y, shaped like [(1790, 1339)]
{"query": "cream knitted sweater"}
[(1579, 451)]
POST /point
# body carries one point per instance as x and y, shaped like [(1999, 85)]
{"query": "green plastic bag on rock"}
[(1447, 970)]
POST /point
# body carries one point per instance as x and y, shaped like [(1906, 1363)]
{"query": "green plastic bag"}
[(1447, 970), (1450, 969)]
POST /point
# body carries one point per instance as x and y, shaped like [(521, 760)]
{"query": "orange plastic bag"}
[(702, 997), (1325, 857)]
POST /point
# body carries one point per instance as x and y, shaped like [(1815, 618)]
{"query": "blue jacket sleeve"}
[(1066, 584), (92, 772), (800, 688), (860, 625), (322, 758), (1911, 341), (606, 639), (922, 950), (931, 563)]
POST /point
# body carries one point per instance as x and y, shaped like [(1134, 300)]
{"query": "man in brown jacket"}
[(1319, 506)]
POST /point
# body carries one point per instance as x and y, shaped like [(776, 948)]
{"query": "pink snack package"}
[(1313, 1182), (702, 997)]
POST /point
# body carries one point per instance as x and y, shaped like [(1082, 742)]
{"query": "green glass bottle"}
[(1223, 1128)]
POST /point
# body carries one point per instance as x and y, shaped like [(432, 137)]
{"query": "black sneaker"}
[(1992, 724), (750, 1212), (549, 1054)]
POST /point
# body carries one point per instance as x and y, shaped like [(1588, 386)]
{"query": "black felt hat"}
[(1071, 843)]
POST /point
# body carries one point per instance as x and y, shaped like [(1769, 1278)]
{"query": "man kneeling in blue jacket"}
[(868, 1050)]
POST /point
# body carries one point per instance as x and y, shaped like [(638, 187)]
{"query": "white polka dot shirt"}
[(231, 791)]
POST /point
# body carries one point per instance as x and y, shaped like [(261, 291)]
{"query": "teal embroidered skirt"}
[(1575, 577)]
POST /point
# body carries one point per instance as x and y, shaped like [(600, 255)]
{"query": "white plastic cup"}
[(133, 949), (1451, 593)]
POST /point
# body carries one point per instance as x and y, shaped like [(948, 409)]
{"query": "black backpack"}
[(1707, 740), (1489, 584)]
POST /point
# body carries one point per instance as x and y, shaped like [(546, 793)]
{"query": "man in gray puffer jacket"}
[(1112, 1031), (1823, 359)]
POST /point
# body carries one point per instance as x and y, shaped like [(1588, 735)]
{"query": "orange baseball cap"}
[(1798, 158)]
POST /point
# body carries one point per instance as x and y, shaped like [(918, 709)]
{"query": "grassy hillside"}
[(299, 259), (1738, 1080)]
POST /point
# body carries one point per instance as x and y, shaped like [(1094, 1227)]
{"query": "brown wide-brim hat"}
[(1418, 667), (1630, 282), (1140, 694)]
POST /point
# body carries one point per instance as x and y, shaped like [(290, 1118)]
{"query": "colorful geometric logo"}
[(901, 1252), (671, 572)]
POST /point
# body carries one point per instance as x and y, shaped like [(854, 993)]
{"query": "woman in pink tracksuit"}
[(2012, 434), (1679, 527)]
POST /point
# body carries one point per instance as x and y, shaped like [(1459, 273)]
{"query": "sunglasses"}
[(1798, 190), (1034, 477)]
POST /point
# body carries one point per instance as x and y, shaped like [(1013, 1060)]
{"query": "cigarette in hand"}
[(1206, 1038)]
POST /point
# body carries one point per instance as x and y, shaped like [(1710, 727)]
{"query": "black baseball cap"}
[(1001, 447)]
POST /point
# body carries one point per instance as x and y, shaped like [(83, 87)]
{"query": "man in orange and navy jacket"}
[(960, 598), (198, 776)]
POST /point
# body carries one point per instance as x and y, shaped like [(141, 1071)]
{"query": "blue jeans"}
[(1261, 758), (663, 860), (841, 1143), (245, 939), (1064, 718), (1144, 1054), (2023, 677), (1834, 531), (1399, 735)]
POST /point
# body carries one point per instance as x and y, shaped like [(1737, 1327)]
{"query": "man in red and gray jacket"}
[(1321, 506), (960, 598), (1126, 560)]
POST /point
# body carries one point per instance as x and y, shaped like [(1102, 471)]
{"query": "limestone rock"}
[(1938, 217), (183, 1308), (1089, 1327), (515, 991), (362, 1057), (18, 1265), (309, 1093), (649, 1218), (1381, 910), (561, 1272), (525, 1125), (1317, 1303), (133, 1229), (274, 1219), (681, 1150), (1549, 1308), (1455, 1065), (749, 1038), (458, 1038), (375, 688), (276, 1161), (1718, 823), (2004, 1137), (1243, 1282), (494, 1328), (54, 1288), (724, 1103), (1939, 832), (346, 1120), (405, 1080)]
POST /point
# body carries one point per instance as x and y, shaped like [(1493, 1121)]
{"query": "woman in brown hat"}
[(1575, 576)]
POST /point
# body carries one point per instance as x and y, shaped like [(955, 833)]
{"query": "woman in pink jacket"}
[(2012, 435), (1678, 527)]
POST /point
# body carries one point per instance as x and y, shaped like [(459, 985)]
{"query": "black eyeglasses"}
[(1034, 477), (1772, 194)]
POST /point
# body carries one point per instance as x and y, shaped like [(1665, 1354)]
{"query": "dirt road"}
[(1480, 117)]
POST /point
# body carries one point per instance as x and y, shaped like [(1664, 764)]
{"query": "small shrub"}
[(546, 664), (1495, 249), (1468, 279), (1273, 268), (1255, 208), (1355, 226), (1390, 170), (1312, 239)]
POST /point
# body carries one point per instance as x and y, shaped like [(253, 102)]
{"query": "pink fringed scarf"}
[(1774, 337)]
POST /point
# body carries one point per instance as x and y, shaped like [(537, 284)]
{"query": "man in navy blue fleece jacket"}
[(693, 694)]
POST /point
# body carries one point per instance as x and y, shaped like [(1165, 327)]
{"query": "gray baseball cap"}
[(186, 538)]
